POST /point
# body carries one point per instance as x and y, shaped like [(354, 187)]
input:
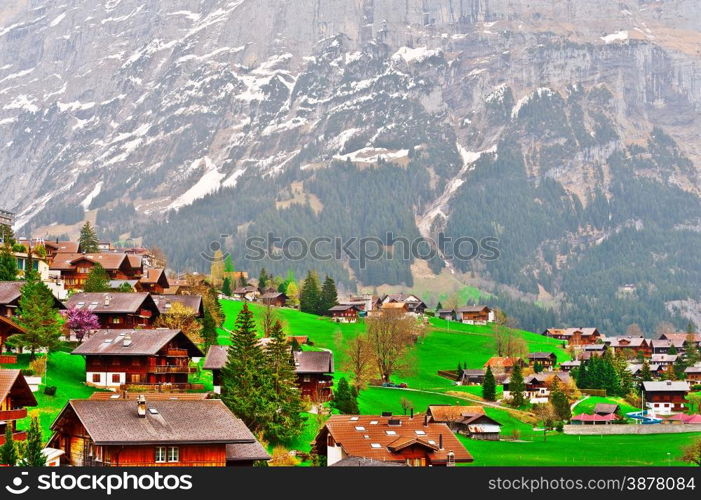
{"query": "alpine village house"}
[(15, 396)]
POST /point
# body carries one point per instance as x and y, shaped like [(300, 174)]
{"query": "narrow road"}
[(577, 402)]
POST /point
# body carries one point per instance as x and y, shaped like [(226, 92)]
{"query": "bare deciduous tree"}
[(359, 361), (390, 335)]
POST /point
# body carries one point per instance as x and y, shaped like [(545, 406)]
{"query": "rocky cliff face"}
[(243, 112)]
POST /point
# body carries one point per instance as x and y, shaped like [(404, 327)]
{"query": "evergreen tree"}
[(517, 386), (263, 280), (37, 316), (345, 398), (329, 295), (439, 306), (559, 400), (242, 281), (229, 268), (489, 386), (672, 350), (245, 378), (309, 296), (33, 456), (97, 281), (645, 374), (287, 421), (8, 264), (537, 367), (8, 451), (610, 380), (209, 329), (226, 287), (88, 242)]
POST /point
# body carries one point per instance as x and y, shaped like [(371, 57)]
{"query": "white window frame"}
[(161, 454), (173, 455)]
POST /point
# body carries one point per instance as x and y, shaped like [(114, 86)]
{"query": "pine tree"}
[(88, 243), (439, 306), (309, 296), (489, 386), (517, 386), (287, 421), (226, 287), (345, 399), (329, 295), (37, 316), (97, 281), (245, 377), (209, 329), (559, 401), (8, 451), (263, 280), (33, 456), (242, 281), (8, 264), (645, 374)]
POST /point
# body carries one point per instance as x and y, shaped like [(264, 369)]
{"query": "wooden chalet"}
[(574, 336), (314, 371), (216, 360), (248, 293), (538, 385), (472, 377), (15, 396), (142, 433), (635, 369), (606, 409), (630, 344), (474, 315), (413, 441), (662, 346), (693, 374), (664, 360), (446, 314), (680, 339), (546, 359), (345, 313), (502, 365), (275, 299), (413, 303), (191, 302), (467, 420), (666, 396), (570, 365), (117, 310), (75, 267), (123, 358), (154, 281)]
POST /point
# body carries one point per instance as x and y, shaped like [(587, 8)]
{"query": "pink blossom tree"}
[(82, 322)]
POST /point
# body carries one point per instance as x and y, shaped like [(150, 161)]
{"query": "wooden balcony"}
[(7, 415), (17, 436), (171, 369), (176, 353)]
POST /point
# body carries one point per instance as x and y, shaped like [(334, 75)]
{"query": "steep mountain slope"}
[(566, 130)]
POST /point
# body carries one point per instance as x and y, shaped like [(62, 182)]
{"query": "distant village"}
[(158, 353)]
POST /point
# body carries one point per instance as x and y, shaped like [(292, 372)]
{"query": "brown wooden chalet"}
[(15, 396), (630, 344), (666, 396), (409, 440), (154, 281), (574, 336), (191, 302), (545, 359), (474, 315), (345, 313), (446, 314), (500, 365), (693, 374), (117, 310), (141, 433), (275, 299), (314, 374), (75, 267), (117, 358), (468, 420)]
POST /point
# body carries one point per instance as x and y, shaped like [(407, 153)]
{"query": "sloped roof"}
[(541, 355), (313, 361), (666, 386), (150, 396), (605, 408), (153, 276), (133, 342), (472, 309), (357, 434), (163, 302), (10, 291), (216, 357), (110, 261), (366, 462), (497, 361), (343, 307), (246, 452), (12, 381), (117, 422), (118, 302)]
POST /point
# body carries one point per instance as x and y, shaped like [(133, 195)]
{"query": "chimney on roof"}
[(411, 413), (669, 382), (426, 420), (107, 300), (127, 340), (141, 406), (440, 441)]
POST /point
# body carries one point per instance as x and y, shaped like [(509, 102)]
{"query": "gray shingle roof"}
[(110, 302), (117, 422), (216, 357), (666, 385), (313, 361), (132, 342), (241, 452), (10, 291), (193, 302)]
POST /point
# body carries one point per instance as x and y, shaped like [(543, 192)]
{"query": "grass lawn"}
[(587, 406), (67, 373)]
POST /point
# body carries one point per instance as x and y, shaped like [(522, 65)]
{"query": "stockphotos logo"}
[(108, 483), (18, 487)]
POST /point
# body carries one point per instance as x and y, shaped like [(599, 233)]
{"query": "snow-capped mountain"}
[(239, 113)]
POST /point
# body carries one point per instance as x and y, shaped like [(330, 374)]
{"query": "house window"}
[(160, 454), (173, 454), (115, 378), (116, 320), (96, 378)]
